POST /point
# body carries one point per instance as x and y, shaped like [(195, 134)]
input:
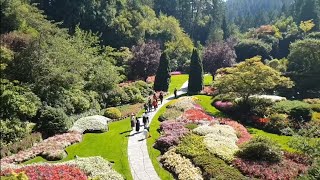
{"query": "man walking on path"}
[(161, 97), (175, 92)]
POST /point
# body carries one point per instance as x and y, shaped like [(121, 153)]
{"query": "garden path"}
[(140, 163)]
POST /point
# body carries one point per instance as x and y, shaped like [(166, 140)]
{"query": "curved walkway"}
[(140, 163)]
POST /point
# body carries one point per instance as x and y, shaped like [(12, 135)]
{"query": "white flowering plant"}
[(91, 123), (181, 166), (218, 130)]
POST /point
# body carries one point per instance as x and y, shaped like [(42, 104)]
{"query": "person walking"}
[(133, 121), (155, 104), (146, 108), (161, 97), (175, 92), (137, 125), (150, 104)]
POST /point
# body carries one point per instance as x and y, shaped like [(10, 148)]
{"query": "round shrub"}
[(113, 113), (53, 121), (261, 149)]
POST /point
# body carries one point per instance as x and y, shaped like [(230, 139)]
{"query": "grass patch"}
[(205, 102), (154, 153), (280, 139), (207, 80), (177, 81), (111, 145)]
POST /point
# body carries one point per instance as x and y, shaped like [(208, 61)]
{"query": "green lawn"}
[(154, 153), (177, 81), (207, 80), (280, 139), (111, 145), (205, 102)]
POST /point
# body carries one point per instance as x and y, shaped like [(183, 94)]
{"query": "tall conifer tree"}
[(162, 78), (196, 74)]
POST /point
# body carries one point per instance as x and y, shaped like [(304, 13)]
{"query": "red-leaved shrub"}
[(47, 172), (286, 169)]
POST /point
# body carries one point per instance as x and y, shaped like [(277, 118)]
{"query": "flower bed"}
[(91, 123), (51, 148), (286, 169), (180, 166), (196, 116), (48, 172), (183, 104), (242, 133), (218, 130), (172, 132), (223, 106), (93, 167), (222, 147)]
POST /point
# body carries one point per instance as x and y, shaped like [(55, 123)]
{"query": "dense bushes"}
[(12, 130), (296, 110), (127, 93), (53, 120), (113, 113), (249, 48), (25, 143), (260, 149)]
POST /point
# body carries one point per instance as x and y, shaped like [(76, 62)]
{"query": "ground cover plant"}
[(92, 167), (182, 167), (51, 148), (49, 172)]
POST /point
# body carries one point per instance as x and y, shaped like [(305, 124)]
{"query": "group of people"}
[(135, 123), (153, 102)]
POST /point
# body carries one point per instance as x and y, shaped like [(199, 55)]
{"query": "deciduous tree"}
[(248, 78)]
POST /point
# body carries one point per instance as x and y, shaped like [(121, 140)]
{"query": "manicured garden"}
[(111, 145), (190, 144)]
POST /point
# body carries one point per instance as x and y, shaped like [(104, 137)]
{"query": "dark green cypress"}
[(162, 78), (195, 74)]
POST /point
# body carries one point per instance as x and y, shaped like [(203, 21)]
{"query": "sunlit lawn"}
[(177, 81), (205, 102), (207, 80), (111, 145)]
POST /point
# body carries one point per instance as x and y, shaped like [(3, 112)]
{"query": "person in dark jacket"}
[(137, 125), (161, 97), (175, 92)]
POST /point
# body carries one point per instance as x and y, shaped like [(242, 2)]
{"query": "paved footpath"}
[(139, 160)]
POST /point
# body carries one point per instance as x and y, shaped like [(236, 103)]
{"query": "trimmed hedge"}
[(113, 113)]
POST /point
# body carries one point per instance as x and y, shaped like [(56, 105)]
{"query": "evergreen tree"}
[(162, 79), (225, 28), (195, 74)]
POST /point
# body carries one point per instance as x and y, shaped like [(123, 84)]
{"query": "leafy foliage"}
[(218, 55), (249, 48), (112, 113), (249, 78), (297, 110), (53, 120), (261, 149), (145, 61)]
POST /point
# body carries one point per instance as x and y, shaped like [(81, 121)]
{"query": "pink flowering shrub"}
[(47, 172), (286, 169), (51, 148), (223, 106), (242, 133), (172, 132)]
